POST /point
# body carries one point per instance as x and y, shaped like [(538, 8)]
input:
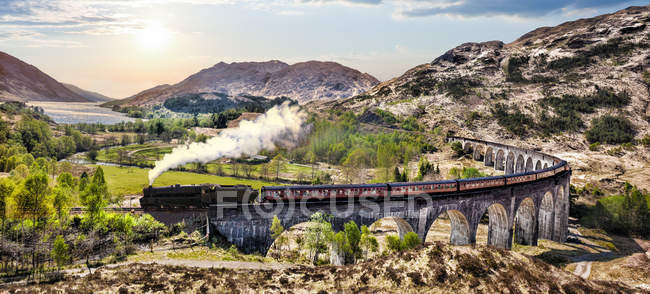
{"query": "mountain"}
[(543, 89), (20, 81), (89, 95), (305, 81)]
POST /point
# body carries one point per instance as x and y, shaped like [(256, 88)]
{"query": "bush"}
[(459, 87), (457, 147), (594, 146), (393, 243), (411, 240), (514, 121), (147, 228), (568, 108), (611, 130)]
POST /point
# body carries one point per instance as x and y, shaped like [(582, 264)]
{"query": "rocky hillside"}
[(305, 81), (23, 82), (89, 95), (559, 89), (433, 269), (546, 86)]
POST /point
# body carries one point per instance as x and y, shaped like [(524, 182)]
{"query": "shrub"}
[(147, 228), (411, 124), (411, 240), (613, 47), (387, 116), (393, 243), (514, 121), (610, 129), (60, 251), (567, 109), (459, 87), (594, 146), (457, 147)]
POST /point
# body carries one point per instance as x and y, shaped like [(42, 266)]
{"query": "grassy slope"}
[(129, 181)]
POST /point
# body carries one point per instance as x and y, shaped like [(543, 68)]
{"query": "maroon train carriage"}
[(481, 183), (405, 189), (306, 192)]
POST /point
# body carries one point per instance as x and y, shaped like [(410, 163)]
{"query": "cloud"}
[(532, 8), (32, 39)]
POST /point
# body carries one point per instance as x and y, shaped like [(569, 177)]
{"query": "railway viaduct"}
[(521, 213)]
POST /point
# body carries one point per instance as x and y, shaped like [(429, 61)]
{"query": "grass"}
[(131, 180), (150, 153)]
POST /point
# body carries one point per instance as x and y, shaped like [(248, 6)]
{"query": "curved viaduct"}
[(522, 213)]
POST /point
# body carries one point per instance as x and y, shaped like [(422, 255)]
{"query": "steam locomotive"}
[(196, 196), (201, 196)]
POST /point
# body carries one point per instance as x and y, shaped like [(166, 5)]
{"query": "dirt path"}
[(583, 268), (584, 262)]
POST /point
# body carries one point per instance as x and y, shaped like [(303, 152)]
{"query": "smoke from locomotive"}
[(283, 122)]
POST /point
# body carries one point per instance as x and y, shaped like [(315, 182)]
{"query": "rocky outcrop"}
[(305, 81)]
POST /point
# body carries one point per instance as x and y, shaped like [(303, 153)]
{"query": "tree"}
[(6, 189), (235, 169), (83, 181), (95, 196), (61, 200), (353, 236), (30, 200), (318, 235), (368, 242), (60, 252), (122, 155), (311, 158), (276, 228), (277, 165), (264, 171), (340, 249), (219, 169), (65, 179), (386, 158), (248, 170)]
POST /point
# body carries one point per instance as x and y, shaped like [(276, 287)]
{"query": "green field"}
[(150, 152), (131, 180)]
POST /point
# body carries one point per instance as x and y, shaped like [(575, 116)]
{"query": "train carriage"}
[(521, 177), (404, 188), (480, 183), (306, 192)]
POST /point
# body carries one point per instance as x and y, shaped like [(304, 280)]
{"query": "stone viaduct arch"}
[(523, 212)]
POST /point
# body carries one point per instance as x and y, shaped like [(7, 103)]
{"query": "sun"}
[(153, 37)]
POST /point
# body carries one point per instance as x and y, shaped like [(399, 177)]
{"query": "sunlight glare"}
[(153, 36)]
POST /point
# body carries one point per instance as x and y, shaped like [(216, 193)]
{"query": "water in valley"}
[(78, 112)]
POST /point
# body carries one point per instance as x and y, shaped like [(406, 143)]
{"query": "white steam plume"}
[(279, 123)]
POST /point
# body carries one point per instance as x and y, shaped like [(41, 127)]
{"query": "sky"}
[(121, 47)]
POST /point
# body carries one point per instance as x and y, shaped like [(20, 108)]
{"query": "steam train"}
[(202, 196), (196, 196)]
